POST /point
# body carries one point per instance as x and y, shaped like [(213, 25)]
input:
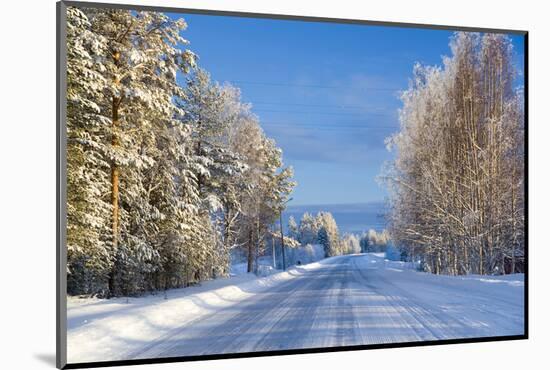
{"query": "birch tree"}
[(457, 182)]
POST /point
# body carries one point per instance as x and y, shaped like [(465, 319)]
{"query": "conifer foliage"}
[(163, 180)]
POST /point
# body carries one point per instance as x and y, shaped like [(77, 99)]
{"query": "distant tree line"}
[(167, 170), (374, 241), (322, 229), (457, 183)]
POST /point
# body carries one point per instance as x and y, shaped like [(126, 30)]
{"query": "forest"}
[(457, 200), (169, 172)]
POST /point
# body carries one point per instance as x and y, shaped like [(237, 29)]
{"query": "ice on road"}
[(351, 300)]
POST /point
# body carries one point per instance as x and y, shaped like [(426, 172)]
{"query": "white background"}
[(27, 181)]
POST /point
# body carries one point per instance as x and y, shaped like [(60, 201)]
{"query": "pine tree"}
[(88, 252), (213, 113), (328, 234), (323, 239), (139, 64), (163, 179)]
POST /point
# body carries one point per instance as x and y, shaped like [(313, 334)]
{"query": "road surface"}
[(351, 300)]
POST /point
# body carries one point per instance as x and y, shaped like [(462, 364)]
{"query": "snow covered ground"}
[(345, 300), (102, 330)]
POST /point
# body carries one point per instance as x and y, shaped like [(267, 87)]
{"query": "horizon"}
[(351, 218), (337, 204)]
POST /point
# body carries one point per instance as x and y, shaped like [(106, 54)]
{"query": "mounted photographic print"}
[(237, 185)]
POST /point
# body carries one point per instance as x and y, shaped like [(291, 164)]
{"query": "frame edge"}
[(61, 174), (61, 177), (290, 17)]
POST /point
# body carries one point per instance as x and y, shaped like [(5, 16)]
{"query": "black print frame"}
[(156, 160)]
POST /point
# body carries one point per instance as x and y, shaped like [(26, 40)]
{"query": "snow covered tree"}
[(293, 230), (350, 244), (213, 114), (328, 234), (309, 229), (121, 97), (323, 239), (373, 241), (164, 178), (264, 187), (457, 182), (88, 251), (140, 65)]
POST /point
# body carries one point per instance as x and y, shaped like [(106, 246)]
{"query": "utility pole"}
[(282, 239), (282, 235), (273, 247)]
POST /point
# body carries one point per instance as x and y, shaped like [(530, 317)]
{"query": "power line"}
[(310, 86), (335, 129), (329, 126), (314, 105), (327, 113)]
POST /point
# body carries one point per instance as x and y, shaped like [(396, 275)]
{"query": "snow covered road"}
[(351, 300)]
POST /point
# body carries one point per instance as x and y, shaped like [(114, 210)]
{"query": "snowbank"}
[(500, 295), (305, 254), (100, 329)]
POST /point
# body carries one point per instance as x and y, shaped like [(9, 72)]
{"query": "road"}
[(351, 300)]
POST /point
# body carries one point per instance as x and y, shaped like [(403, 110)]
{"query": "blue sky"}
[(327, 93)]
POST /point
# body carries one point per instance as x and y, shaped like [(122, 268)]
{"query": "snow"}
[(238, 269), (264, 269), (345, 300), (101, 330), (306, 254), (239, 265)]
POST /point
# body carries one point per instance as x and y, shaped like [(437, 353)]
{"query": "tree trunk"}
[(257, 251), (115, 180), (282, 239), (250, 259), (273, 248)]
